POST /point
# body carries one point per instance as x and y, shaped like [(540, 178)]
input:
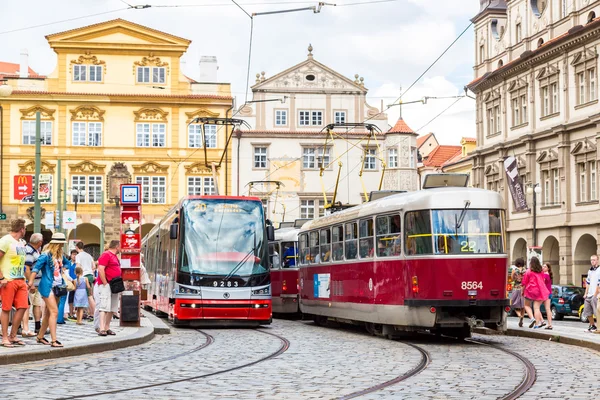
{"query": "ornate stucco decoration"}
[(246, 111), (585, 55), (152, 61), (87, 58), (202, 112), (310, 76), (197, 169), (29, 113), (491, 169), (29, 167), (117, 175), (150, 167), (584, 146), (87, 113), (547, 156), (87, 167), (150, 114), (374, 113), (547, 71)]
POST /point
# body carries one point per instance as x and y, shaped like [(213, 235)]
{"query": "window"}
[(89, 189), (313, 241), (593, 195), (477, 231), (154, 189), (366, 238), (564, 8), (388, 235), (556, 185), (351, 241), (545, 101), (518, 33), (339, 117), (393, 158), (304, 118), (303, 247), (581, 87), (516, 112), (151, 135), (260, 157), (370, 162), (29, 132), (158, 75), (325, 254), (413, 156), (210, 136), (79, 73), (582, 182), (209, 186), (592, 83), (549, 95), (194, 187), (87, 134), (317, 118), (493, 117), (307, 118), (417, 233), (337, 246), (195, 136), (95, 73), (481, 54), (587, 89), (307, 209), (554, 88), (315, 157), (547, 187), (280, 117)]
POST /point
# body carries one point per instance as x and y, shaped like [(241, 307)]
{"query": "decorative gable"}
[(151, 61), (584, 146), (87, 167), (197, 169), (150, 167), (87, 58), (200, 113), (45, 113), (29, 167), (150, 114), (87, 113)]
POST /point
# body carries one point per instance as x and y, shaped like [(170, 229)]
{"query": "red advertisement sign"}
[(130, 241), (23, 186)]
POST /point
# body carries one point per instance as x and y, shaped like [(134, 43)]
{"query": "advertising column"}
[(131, 245)]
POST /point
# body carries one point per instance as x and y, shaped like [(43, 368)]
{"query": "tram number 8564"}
[(225, 284), (471, 285)]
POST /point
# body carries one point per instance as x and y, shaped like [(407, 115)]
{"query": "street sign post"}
[(69, 219), (23, 186)]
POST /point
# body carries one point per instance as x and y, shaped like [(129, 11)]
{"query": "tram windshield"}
[(465, 230), (225, 238)]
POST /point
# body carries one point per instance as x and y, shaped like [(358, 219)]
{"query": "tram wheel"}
[(320, 320)]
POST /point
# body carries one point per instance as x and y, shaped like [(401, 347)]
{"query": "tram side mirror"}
[(270, 233), (173, 230)]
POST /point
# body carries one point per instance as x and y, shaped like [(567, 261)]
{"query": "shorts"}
[(590, 306), (90, 278), (14, 294), (36, 298), (109, 302), (71, 296)]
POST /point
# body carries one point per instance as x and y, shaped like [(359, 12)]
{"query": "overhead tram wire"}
[(443, 111)]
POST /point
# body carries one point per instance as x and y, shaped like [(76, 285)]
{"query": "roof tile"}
[(423, 139), (440, 155), (401, 127), (8, 69), (171, 96)]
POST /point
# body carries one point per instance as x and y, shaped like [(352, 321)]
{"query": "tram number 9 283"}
[(225, 284), (471, 285)]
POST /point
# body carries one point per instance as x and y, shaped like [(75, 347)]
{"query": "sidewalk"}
[(568, 333), (82, 339)]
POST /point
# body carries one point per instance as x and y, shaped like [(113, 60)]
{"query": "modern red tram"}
[(431, 260), (208, 262)]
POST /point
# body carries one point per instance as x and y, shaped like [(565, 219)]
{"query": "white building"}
[(288, 143), (536, 81)]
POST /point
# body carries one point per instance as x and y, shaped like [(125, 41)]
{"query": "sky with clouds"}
[(388, 43)]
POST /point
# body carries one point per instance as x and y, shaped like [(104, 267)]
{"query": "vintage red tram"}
[(428, 260), (208, 262)]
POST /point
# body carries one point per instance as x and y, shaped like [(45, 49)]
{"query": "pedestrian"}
[(66, 274), (591, 293), (32, 253), (73, 258), (517, 301), (534, 289), (144, 279), (109, 268), (547, 269), (13, 288), (86, 262), (82, 286), (52, 285)]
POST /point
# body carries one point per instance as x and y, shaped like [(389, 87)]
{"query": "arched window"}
[(591, 17), (540, 43), (500, 63)]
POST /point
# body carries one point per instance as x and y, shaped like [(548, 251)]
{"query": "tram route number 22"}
[(471, 285)]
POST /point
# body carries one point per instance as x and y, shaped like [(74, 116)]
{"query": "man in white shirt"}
[(591, 293), (86, 262)]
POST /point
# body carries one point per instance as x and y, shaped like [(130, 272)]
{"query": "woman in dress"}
[(534, 288), (516, 297), (52, 283), (547, 269)]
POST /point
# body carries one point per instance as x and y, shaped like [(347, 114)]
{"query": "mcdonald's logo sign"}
[(23, 186)]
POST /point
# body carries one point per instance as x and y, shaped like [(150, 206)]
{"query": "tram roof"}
[(287, 234), (435, 198)]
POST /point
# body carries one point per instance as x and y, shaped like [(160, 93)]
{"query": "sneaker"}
[(592, 328), (532, 323), (71, 318), (537, 327)]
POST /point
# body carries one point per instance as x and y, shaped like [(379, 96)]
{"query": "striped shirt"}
[(31, 257)]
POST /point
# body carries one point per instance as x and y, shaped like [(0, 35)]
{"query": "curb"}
[(537, 335), (143, 335), (160, 327)]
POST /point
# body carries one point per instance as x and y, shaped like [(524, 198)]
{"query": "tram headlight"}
[(184, 290), (261, 291)]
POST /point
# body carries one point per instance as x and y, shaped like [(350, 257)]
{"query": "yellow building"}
[(116, 109), (462, 163)]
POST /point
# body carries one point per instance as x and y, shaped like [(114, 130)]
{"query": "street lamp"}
[(534, 189)]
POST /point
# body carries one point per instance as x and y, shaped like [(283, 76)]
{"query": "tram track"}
[(424, 362), (529, 377), (285, 344)]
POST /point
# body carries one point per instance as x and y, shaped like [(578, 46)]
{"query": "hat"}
[(58, 238)]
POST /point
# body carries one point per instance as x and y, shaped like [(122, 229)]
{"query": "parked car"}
[(566, 300)]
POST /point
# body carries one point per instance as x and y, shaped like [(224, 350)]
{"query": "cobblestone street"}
[(321, 363)]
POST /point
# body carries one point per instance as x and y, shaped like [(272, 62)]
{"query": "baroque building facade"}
[(116, 109), (279, 158), (536, 82)]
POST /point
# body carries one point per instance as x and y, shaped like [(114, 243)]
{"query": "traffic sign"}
[(23, 186), (2, 217), (69, 219), (49, 220)]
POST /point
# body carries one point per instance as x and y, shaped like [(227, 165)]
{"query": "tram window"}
[(337, 246), (351, 240), (303, 249), (325, 245), (388, 235), (366, 238), (314, 247), (417, 231), (289, 254), (274, 255), (460, 231)]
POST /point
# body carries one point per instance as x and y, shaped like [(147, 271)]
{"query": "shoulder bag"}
[(117, 285), (69, 284), (59, 291)]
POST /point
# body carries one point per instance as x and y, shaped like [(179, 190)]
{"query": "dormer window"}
[(87, 73), (310, 77), (151, 74)]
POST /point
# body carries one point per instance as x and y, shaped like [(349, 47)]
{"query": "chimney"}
[(208, 69), (24, 67)]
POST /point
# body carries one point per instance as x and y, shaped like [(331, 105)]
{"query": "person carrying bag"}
[(108, 286)]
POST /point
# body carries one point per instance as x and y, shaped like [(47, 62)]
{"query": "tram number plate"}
[(466, 285), (225, 284)]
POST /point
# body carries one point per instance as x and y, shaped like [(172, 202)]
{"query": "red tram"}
[(208, 262), (430, 260)]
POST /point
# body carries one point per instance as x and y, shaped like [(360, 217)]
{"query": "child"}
[(80, 301)]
